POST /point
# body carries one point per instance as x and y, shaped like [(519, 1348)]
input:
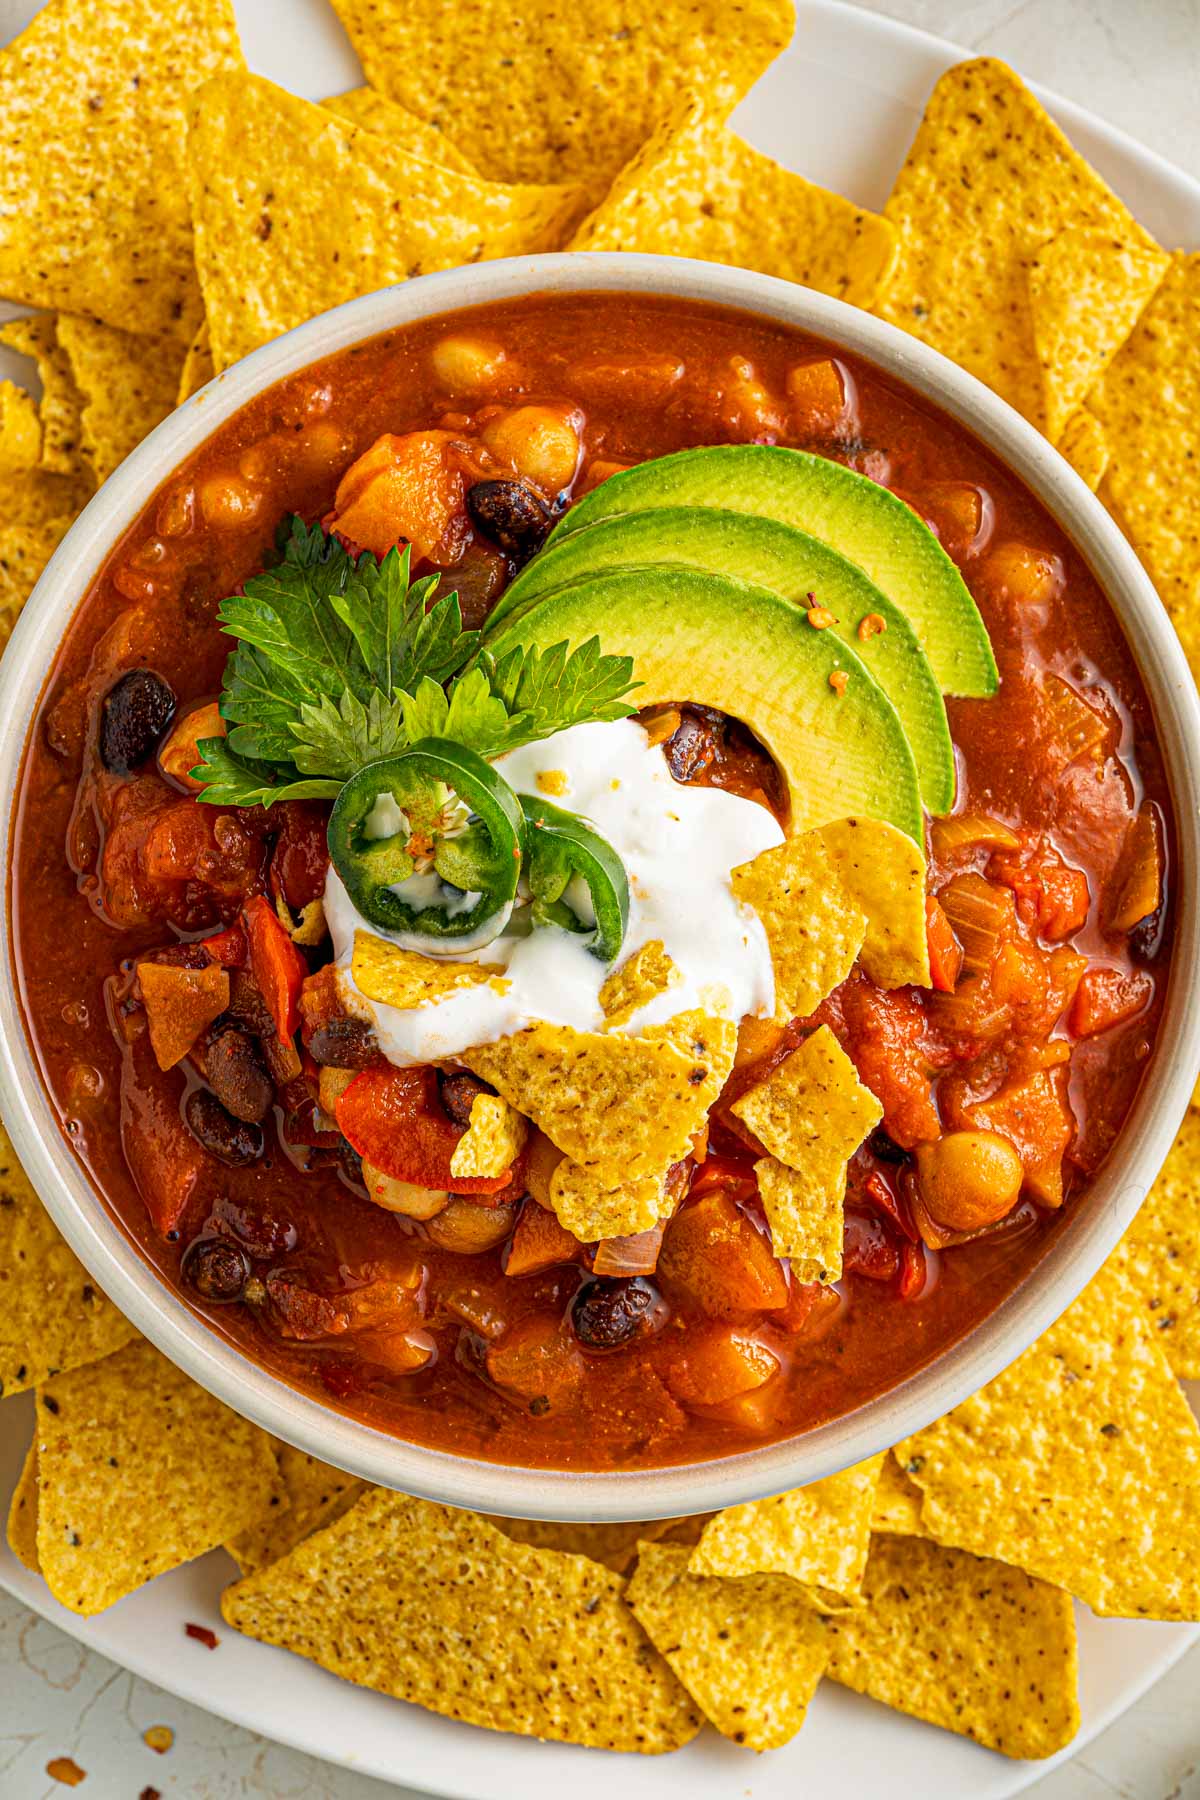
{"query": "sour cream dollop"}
[(678, 845)]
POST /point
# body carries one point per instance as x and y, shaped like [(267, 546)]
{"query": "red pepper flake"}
[(158, 1738), (62, 1768), (838, 680), (202, 1635), (820, 618), (870, 625)]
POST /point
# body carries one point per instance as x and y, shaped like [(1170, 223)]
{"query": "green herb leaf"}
[(337, 740), (470, 714), (554, 690), (232, 780)]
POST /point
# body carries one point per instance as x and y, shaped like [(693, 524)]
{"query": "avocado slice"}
[(728, 644), (791, 563), (845, 510)]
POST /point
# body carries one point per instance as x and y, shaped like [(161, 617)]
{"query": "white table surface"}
[(1137, 64)]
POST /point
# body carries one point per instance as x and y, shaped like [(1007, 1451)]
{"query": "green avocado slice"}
[(866, 523), (711, 639), (791, 563)]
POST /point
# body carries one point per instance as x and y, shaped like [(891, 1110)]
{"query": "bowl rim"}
[(74, 1202)]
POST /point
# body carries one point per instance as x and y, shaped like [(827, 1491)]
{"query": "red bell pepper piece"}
[(945, 951), (393, 1118), (226, 947), (276, 964)]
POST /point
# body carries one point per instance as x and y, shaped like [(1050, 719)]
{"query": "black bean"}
[(690, 748), (217, 1269), (509, 514), (885, 1148), (606, 1314), (344, 1043), (1145, 939), (133, 717), (458, 1093), (230, 1140), (237, 1075)]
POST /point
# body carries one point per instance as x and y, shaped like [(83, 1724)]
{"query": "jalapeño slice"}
[(572, 872)]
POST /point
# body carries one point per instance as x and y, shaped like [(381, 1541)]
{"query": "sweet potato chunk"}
[(714, 1257), (717, 1363)]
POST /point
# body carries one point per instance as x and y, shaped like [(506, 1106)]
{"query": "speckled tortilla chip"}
[(314, 1495), (1085, 446), (180, 1004), (36, 510), (52, 1314), (806, 1213), (439, 1608), (989, 183), (1160, 1253), (1086, 291), (23, 1514), (93, 205), (394, 977), (817, 1535), (814, 928), (593, 1204), (24, 552), (20, 429), (295, 211), (197, 370), (897, 1502), (554, 91), (883, 871), (1080, 1464), (749, 1652), (60, 404), (140, 1470), (695, 189), (402, 129), (493, 1140), (965, 1643), (707, 1041), (616, 1546), (641, 978), (128, 384)]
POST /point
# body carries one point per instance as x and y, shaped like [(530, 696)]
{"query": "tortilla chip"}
[(314, 1495), (128, 384), (296, 211), (694, 189), (139, 1471), (60, 404), (403, 129), (93, 208), (626, 1106), (180, 1004), (616, 1546), (36, 498), (24, 552), (20, 428), (817, 1535), (897, 1502), (52, 1314), (592, 1204), (197, 370), (1160, 1253), (382, 971), (750, 1653), (641, 978), (883, 872), (1085, 446), (23, 1514), (439, 1608), (492, 1141), (1086, 291), (1080, 1464), (806, 1214), (706, 1040), (989, 183), (814, 928), (555, 91), (965, 1643)]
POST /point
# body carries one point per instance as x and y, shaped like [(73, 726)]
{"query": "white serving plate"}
[(841, 106)]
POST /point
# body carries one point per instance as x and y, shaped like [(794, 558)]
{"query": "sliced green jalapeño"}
[(572, 872), (428, 844)]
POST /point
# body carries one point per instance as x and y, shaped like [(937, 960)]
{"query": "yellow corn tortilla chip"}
[(1160, 1253), (806, 1214), (897, 1502), (140, 1470), (965, 1643), (403, 129), (314, 1495), (814, 928), (197, 370), (883, 872), (439, 1608), (1080, 1464), (24, 552), (695, 189), (128, 385), (592, 1204), (93, 207), (36, 498), (52, 1314), (641, 978), (1086, 291), (626, 1106), (555, 91), (749, 1652), (60, 404), (23, 1514), (616, 1546), (296, 211), (20, 428), (1085, 446), (493, 1140), (989, 182), (394, 977), (817, 1535), (707, 1040)]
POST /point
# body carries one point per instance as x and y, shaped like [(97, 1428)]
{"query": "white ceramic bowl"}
[(1098, 1219)]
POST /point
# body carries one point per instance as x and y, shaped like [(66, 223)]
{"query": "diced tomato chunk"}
[(716, 1258), (393, 1118), (164, 1158), (1107, 997), (228, 947), (891, 1048), (300, 860), (1035, 1116), (276, 964), (867, 1249), (1052, 896), (812, 1307)]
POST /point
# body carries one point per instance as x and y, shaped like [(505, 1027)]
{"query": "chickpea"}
[(539, 442), (401, 1196), (469, 1228), (333, 1084), (969, 1179), (467, 365), (176, 513), (229, 502), (1031, 577)]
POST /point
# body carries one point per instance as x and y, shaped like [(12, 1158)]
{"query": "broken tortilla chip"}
[(817, 1535), (439, 1608), (897, 1502), (1085, 446), (965, 1643), (140, 1470), (60, 404), (989, 184), (883, 872), (94, 214), (52, 1314), (695, 189), (382, 971), (813, 927), (592, 1204), (347, 212), (197, 370), (1160, 1253), (806, 1214), (1080, 1464), (23, 1514), (1086, 291), (24, 552), (641, 978), (180, 1004), (556, 91), (314, 1495), (749, 1652), (20, 428), (616, 1546), (493, 1140), (128, 385), (402, 129), (706, 1040)]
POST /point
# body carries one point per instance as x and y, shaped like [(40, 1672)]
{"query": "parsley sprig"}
[(343, 660)]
